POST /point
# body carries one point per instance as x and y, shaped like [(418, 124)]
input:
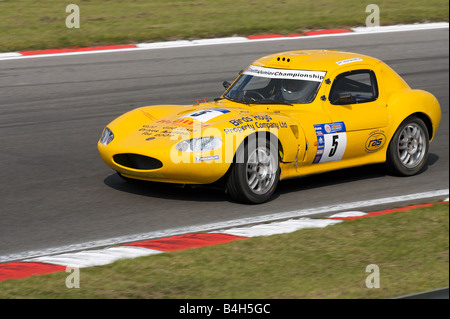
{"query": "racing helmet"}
[(292, 90)]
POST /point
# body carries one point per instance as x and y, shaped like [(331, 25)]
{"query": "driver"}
[(292, 90)]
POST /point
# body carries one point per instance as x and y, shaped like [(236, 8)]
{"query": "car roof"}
[(319, 60)]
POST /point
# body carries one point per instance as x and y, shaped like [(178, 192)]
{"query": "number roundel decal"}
[(332, 141)]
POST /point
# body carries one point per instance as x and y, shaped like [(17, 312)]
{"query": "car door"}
[(358, 112)]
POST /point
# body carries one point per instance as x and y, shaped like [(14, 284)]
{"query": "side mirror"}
[(226, 84)]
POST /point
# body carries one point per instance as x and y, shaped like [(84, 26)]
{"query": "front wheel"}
[(255, 173), (408, 149)]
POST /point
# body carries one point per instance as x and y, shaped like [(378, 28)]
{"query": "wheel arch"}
[(416, 103), (257, 134), (262, 134), (394, 163), (236, 183), (427, 122)]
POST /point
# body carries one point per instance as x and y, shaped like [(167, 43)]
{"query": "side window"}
[(354, 87)]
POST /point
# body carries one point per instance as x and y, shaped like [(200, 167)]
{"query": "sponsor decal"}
[(166, 128), (251, 118), (206, 158), (180, 122), (206, 115), (267, 125), (240, 129), (348, 61), (331, 142), (150, 132), (252, 122), (376, 141), (316, 76)]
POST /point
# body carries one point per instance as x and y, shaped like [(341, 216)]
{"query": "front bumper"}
[(175, 166)]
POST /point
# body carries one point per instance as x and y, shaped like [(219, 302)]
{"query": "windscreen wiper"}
[(230, 99)]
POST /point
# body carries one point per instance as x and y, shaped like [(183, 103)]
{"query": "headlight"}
[(199, 144), (107, 136)]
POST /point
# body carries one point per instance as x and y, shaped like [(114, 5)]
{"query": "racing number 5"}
[(334, 146)]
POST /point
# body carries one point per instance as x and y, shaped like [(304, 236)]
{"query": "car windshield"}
[(259, 85)]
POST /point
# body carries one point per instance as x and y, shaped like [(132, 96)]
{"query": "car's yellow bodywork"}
[(364, 130)]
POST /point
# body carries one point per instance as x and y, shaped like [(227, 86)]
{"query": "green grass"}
[(27, 24), (410, 248)]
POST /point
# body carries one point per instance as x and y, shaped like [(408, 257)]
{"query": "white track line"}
[(339, 207), (402, 27), (238, 39), (283, 227), (348, 214)]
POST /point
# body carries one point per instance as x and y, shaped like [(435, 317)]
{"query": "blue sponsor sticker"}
[(331, 140)]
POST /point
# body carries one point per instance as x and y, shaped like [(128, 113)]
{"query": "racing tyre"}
[(255, 173), (408, 150)]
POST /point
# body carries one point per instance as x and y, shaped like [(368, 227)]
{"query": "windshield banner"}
[(316, 76)]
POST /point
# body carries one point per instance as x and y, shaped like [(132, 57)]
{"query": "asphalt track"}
[(56, 191)]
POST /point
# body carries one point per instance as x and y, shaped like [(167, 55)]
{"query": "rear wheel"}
[(255, 174), (408, 150)]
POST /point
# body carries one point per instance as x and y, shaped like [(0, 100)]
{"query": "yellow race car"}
[(287, 115)]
